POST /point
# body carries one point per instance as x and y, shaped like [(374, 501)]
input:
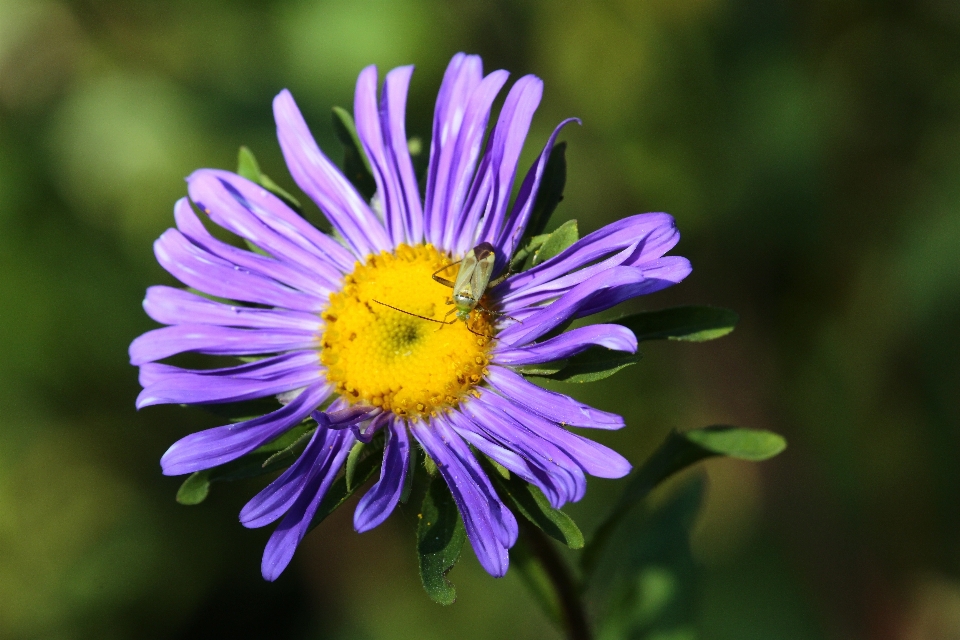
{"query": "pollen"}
[(391, 358)]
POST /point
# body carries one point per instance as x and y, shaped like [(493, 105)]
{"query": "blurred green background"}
[(810, 151)]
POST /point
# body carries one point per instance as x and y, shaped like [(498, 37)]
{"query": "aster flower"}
[(334, 325)]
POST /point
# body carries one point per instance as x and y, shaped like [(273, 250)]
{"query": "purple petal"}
[(462, 76), (176, 306), (341, 415), (555, 288), (553, 406), (367, 116), (288, 534), (252, 212), (204, 271), (491, 528), (516, 464), (378, 503), (213, 447), (511, 233), (322, 181), (392, 114), (164, 384), (656, 233), (666, 272), (461, 161), (603, 290), (611, 336), (506, 142), (593, 457), (276, 498), (564, 474), (205, 338), (291, 275)]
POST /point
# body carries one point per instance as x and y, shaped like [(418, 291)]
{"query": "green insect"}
[(473, 279)]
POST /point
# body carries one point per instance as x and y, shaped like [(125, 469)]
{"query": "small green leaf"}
[(679, 451), (288, 438), (247, 165), (591, 365), (353, 458), (551, 190), (249, 168), (535, 576), (543, 370), (523, 255), (440, 537), (530, 502), (429, 465), (754, 445), (240, 411), (692, 324), (292, 450), (195, 488), (356, 166), (565, 235), (647, 584), (412, 463)]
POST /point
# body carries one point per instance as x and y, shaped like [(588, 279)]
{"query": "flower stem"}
[(563, 581)]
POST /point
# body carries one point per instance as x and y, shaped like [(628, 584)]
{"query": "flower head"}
[(352, 330)]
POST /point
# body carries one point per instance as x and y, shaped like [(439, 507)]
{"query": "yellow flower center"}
[(386, 358)]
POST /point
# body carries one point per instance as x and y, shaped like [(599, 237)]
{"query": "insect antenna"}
[(415, 315)]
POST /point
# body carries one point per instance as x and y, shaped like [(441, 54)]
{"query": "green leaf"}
[(543, 370), (349, 474), (596, 363), (440, 537), (692, 324), (538, 581), (247, 165), (412, 464), (647, 585), (521, 258), (195, 488), (565, 235), (288, 438), (249, 168), (530, 502), (338, 492), (551, 190), (356, 166), (295, 448), (754, 445), (679, 451), (240, 411)]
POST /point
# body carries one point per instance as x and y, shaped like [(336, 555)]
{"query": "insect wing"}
[(468, 266), (474, 275), (482, 272)]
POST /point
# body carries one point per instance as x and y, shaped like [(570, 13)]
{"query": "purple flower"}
[(335, 323)]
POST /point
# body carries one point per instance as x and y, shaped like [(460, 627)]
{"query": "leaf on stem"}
[(249, 168), (530, 502), (440, 538), (596, 363), (195, 488), (679, 451), (268, 458), (691, 323)]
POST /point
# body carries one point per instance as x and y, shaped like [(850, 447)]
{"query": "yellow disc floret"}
[(383, 357)]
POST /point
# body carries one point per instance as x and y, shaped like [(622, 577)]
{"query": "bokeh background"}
[(809, 149)]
